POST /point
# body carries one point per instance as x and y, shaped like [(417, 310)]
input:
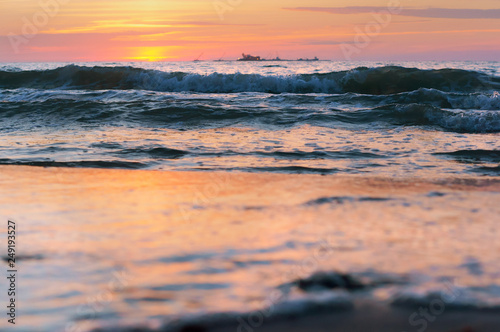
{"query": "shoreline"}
[(224, 238), (429, 178)]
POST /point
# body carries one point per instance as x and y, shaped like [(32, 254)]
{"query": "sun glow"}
[(158, 30), (157, 53)]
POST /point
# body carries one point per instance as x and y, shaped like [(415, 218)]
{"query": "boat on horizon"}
[(221, 58), (306, 59), (198, 58), (248, 57)]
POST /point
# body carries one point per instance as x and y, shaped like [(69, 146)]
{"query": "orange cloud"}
[(456, 13)]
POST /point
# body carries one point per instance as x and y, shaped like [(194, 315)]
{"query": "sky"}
[(184, 30)]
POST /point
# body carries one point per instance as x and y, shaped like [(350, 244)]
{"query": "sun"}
[(157, 53)]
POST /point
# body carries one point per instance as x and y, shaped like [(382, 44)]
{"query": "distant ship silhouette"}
[(314, 59), (248, 57)]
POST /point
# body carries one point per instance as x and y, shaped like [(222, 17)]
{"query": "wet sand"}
[(245, 232)]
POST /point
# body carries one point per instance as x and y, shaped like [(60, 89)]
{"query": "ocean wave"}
[(153, 152), (477, 100), (182, 114), (342, 301), (118, 164), (461, 298), (291, 309), (376, 81), (451, 100), (271, 169), (462, 121), (473, 156)]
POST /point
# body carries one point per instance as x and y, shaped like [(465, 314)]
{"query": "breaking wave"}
[(375, 81)]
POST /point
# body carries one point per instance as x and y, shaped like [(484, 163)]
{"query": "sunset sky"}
[(152, 30)]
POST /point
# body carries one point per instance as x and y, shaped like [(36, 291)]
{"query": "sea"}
[(382, 118), (192, 196)]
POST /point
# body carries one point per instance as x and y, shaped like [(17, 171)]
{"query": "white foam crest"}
[(470, 121), (456, 297), (476, 101), (227, 83)]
